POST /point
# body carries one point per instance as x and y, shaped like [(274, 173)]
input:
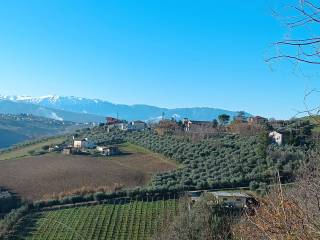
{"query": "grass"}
[(23, 151), (132, 148), (115, 220)]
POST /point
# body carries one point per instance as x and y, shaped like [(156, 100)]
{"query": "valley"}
[(15, 129)]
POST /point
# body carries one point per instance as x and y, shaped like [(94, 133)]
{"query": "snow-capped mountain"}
[(100, 108)]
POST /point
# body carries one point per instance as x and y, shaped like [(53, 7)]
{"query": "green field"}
[(128, 147), (23, 151), (122, 219)]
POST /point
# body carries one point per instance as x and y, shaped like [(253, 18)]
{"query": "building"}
[(187, 124), (73, 151), (167, 127), (108, 151), (111, 120), (113, 123), (276, 137), (257, 120), (277, 124), (195, 195), (137, 125), (120, 126), (67, 151), (199, 127), (83, 143), (231, 199), (54, 149)]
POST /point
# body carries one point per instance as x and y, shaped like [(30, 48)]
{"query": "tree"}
[(303, 20), (287, 213), (223, 119), (214, 123), (241, 116), (204, 220), (263, 142)]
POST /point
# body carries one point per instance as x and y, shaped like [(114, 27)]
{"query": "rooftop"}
[(228, 194)]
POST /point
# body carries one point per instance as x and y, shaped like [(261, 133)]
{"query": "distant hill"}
[(18, 107), (19, 128), (95, 110)]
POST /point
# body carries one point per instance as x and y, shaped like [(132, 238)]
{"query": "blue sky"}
[(166, 53)]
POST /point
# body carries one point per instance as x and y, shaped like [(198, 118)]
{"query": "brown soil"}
[(34, 177)]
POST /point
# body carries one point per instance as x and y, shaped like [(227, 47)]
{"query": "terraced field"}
[(120, 219)]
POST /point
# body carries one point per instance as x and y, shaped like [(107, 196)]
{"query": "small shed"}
[(108, 151), (231, 199), (66, 151), (195, 195)]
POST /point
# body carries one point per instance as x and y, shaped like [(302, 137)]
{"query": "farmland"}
[(118, 219), (24, 150), (34, 177), (220, 162)]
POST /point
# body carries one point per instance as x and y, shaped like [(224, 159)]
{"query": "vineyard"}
[(119, 219)]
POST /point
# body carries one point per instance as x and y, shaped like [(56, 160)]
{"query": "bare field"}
[(34, 177)]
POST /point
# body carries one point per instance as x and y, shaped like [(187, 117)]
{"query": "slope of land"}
[(18, 128), (217, 162), (9, 138), (25, 150), (120, 219), (12, 107), (222, 161), (37, 176)]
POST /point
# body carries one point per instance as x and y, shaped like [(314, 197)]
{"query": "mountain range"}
[(77, 109)]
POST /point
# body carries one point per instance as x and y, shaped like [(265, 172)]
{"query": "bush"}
[(11, 219), (8, 201)]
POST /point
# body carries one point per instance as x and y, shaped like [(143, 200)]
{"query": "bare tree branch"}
[(306, 14)]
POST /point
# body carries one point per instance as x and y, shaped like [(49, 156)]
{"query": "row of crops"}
[(219, 162), (120, 219)]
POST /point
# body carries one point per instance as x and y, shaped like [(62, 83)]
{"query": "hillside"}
[(19, 128), (55, 173), (91, 207), (228, 160), (96, 107), (117, 219), (13, 107)]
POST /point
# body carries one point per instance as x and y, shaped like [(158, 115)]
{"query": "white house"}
[(121, 126), (137, 125), (108, 151), (187, 123), (276, 137), (83, 143)]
